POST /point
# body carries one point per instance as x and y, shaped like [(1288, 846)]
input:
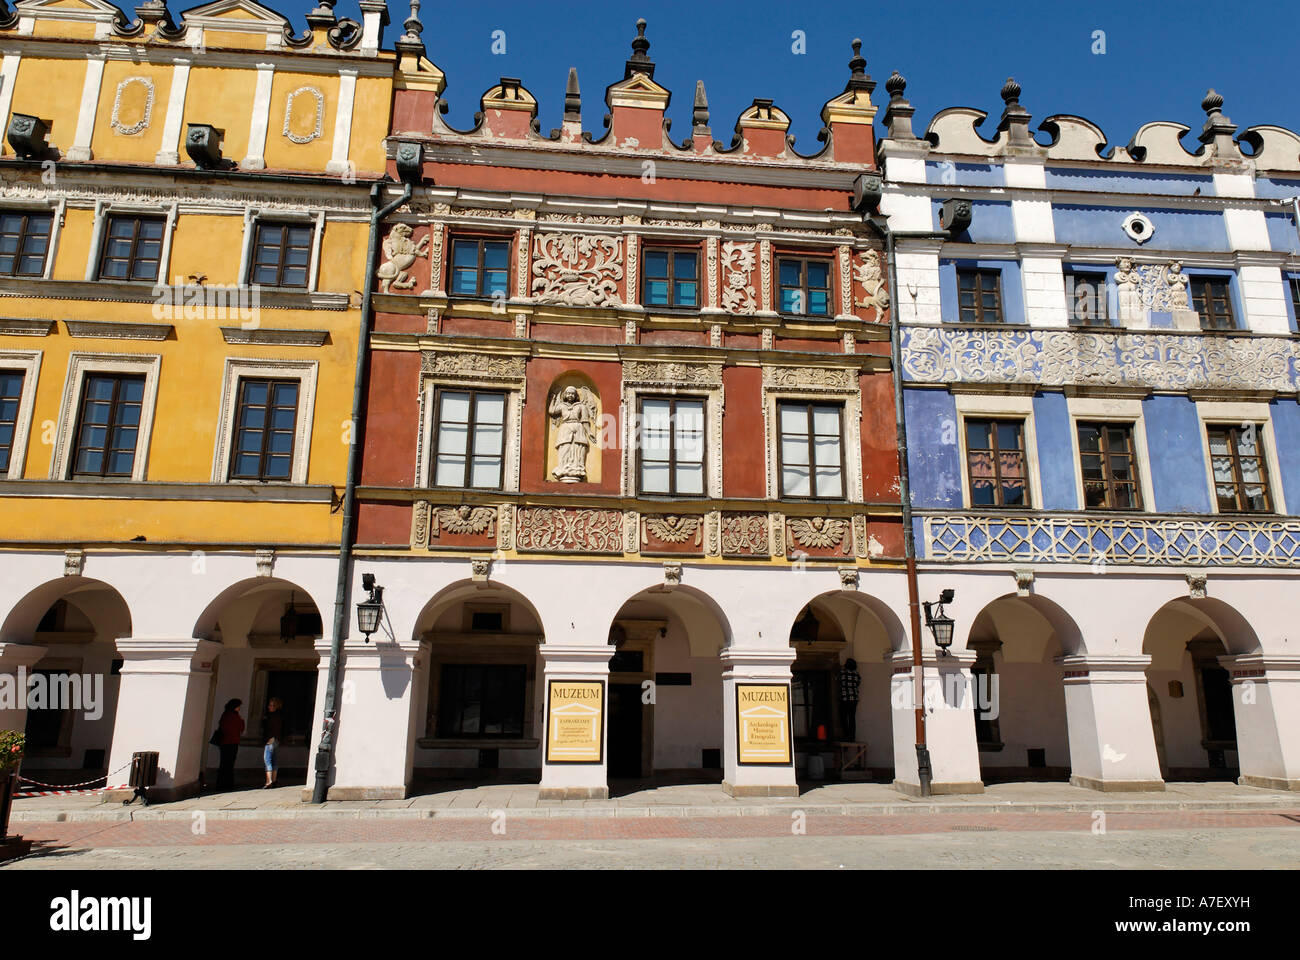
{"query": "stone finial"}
[(323, 15), (640, 61), (700, 114), (572, 97), (899, 111), (410, 42), (1015, 118), (1218, 129)]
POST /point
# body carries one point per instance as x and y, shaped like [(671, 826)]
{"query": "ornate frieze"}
[(558, 530), (745, 535), (737, 266), (1107, 540), (671, 528), (819, 534), (829, 379), (473, 366), (463, 520), (671, 373), (577, 270), (1159, 287), (1158, 361)]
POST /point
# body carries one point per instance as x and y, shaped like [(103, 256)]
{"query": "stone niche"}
[(574, 418)]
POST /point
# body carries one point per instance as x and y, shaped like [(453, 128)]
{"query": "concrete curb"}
[(665, 810)]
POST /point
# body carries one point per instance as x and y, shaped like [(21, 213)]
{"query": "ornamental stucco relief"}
[(671, 528), (577, 270), (867, 273), (560, 530), (131, 119), (574, 412), (1157, 361), (818, 532), (745, 535), (295, 129), (401, 252), (738, 261), (464, 520)]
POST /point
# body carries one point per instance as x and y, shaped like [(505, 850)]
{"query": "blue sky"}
[(1159, 57)]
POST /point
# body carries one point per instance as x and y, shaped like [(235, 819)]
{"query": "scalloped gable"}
[(1074, 138), (1161, 142), (1275, 148), (954, 131)]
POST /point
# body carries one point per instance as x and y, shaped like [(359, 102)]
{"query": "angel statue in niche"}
[(573, 411)]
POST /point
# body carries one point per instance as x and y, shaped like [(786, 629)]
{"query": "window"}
[(482, 701), (266, 415), (810, 702), (1087, 299), (671, 278), (812, 458), (1240, 477), (11, 391), (979, 296), (672, 446), (282, 254), (1106, 457), (995, 456), (24, 243), (1212, 300), (108, 426), (479, 268), (469, 446), (805, 287), (132, 248), (1293, 284)]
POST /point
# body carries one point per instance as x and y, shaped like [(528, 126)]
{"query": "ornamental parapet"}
[(1154, 360), (1145, 540)]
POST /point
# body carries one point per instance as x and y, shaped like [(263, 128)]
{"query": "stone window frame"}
[(1112, 410), (432, 380), (1212, 413), (252, 215), (668, 379), (775, 390), (105, 210), (57, 208), (236, 368), (999, 407), (79, 365), (29, 362)]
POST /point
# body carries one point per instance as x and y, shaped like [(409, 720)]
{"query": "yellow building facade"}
[(184, 220)]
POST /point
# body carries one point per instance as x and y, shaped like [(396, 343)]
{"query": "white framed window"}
[(134, 246), (1124, 414), (1241, 464), (481, 419), (825, 390), (985, 430), (19, 370), (130, 414), (260, 435), (692, 397), (273, 254), (31, 230)]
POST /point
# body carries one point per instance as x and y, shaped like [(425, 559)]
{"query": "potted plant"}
[(11, 758)]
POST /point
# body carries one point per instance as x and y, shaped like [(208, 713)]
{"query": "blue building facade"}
[(1100, 367)]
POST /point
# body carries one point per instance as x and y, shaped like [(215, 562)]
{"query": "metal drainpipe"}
[(925, 772), (328, 731)]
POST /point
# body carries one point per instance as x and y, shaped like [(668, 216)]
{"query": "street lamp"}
[(940, 625), (370, 609)]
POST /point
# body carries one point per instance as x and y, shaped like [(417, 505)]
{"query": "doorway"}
[(625, 731)]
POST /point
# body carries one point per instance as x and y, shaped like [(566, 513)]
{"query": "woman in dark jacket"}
[(230, 728)]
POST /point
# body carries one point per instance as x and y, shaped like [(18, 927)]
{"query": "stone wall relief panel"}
[(673, 533), (738, 263), (818, 537), (574, 438), (462, 526), (562, 530), (745, 535), (577, 270), (304, 115), (870, 285), (132, 106), (401, 250)]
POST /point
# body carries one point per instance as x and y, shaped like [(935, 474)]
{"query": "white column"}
[(375, 730), (1112, 745), (949, 723), (15, 657), (570, 780), (256, 156), (339, 162), (162, 706), (1266, 702), (741, 665), (80, 149), (169, 149), (1263, 294)]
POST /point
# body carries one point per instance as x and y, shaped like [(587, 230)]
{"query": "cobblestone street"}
[(1180, 840)]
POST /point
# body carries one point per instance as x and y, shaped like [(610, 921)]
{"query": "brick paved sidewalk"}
[(679, 801)]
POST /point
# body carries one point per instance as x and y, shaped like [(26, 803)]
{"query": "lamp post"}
[(939, 624), (370, 609)]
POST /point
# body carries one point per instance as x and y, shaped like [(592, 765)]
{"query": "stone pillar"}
[(574, 779), (742, 666), (162, 705), (1112, 746), (949, 723), (15, 657), (376, 725), (1266, 703)]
